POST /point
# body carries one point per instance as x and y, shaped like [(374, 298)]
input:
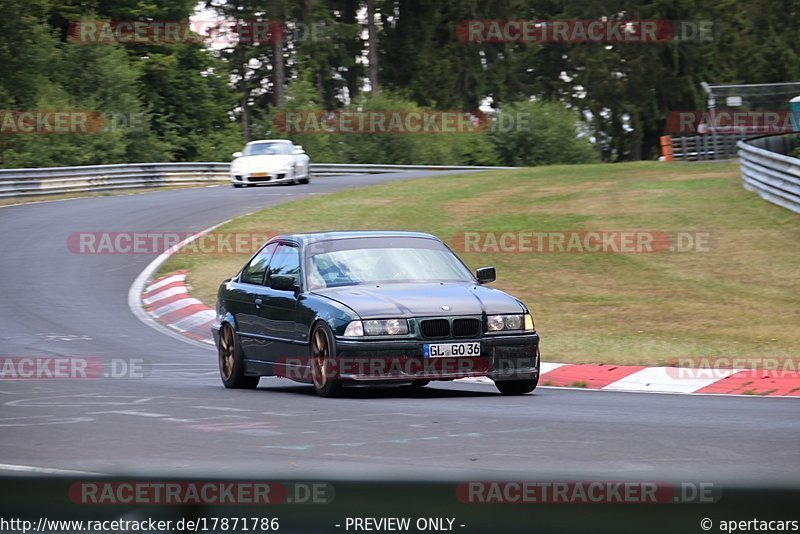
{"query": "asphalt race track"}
[(178, 419)]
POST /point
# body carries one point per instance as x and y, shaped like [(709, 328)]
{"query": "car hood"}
[(422, 300), (246, 163)]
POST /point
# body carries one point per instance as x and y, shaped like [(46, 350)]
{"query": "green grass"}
[(740, 298)]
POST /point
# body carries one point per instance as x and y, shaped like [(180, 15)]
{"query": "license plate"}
[(258, 174), (451, 350)]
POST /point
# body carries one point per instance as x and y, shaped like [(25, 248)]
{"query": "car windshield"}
[(382, 260), (268, 149)]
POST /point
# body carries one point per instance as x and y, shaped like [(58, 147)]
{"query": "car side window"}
[(286, 262), (255, 270)]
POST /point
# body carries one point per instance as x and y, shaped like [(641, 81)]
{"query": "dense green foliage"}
[(548, 136), (200, 100)]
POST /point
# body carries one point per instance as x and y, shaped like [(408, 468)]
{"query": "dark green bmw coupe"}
[(340, 308)]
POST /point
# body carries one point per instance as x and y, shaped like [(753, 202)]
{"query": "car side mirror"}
[(282, 282), (486, 275), (237, 154), (299, 150)]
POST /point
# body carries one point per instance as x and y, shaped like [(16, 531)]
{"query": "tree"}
[(372, 36), (278, 73), (538, 133)]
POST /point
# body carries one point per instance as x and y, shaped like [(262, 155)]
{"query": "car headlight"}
[(377, 327), (495, 323), (499, 323), (354, 329)]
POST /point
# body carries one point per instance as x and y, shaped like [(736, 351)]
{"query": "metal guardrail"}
[(768, 171), (706, 147), (59, 180)]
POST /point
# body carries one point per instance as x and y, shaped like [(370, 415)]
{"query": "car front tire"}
[(237, 186), (231, 361), (517, 387), (322, 357)]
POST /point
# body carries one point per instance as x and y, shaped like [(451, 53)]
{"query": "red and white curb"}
[(167, 301), (680, 380), (144, 287)]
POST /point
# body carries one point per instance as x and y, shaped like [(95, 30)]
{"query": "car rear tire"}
[(419, 384), (517, 387), (231, 361), (323, 353)]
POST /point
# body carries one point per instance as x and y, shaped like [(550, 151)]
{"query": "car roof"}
[(313, 237), (269, 141)]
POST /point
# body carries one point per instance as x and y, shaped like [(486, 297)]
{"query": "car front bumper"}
[(503, 357), (264, 177)]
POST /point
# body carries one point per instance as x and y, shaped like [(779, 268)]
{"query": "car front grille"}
[(466, 327), (435, 328), (443, 328)]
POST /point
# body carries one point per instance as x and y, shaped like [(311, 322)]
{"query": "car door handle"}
[(258, 303)]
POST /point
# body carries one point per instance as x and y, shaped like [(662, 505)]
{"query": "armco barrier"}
[(767, 170), (59, 180)]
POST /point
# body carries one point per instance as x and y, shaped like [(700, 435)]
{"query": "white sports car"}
[(270, 161)]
